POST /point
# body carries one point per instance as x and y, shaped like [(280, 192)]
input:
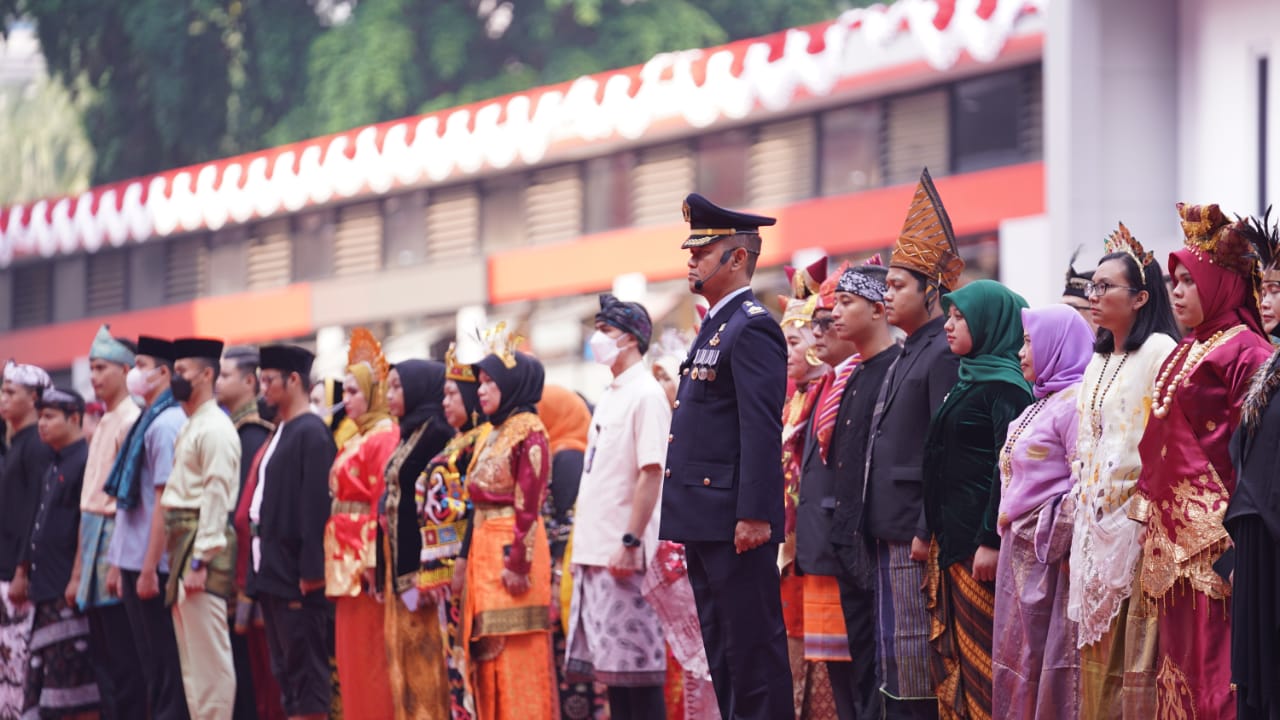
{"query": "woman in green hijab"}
[(962, 490)]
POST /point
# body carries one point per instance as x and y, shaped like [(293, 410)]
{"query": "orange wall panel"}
[(976, 202)]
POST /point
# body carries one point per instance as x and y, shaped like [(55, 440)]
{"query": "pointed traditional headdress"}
[(1265, 238), (927, 244), (827, 291), (454, 370), (1077, 282), (797, 310), (365, 348)]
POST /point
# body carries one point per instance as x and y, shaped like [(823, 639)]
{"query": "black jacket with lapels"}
[(925, 372), (724, 457)]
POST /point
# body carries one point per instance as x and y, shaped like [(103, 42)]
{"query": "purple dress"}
[(1034, 658)]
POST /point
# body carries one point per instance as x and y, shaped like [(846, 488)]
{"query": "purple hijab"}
[(1061, 347)]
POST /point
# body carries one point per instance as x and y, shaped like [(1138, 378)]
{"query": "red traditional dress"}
[(350, 542), (1187, 476)]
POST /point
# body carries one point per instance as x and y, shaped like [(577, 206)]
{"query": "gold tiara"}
[(1122, 241)]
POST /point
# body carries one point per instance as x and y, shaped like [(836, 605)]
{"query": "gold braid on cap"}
[(453, 370), (502, 342), (365, 348), (1122, 241)]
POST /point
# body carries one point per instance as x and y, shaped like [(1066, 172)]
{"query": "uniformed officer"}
[(722, 496)]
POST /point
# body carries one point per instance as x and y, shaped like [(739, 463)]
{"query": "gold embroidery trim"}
[(511, 621)]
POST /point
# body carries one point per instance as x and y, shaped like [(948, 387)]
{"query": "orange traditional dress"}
[(350, 543), (510, 636)]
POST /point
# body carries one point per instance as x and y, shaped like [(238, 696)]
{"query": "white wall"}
[(1110, 125), (1220, 42)]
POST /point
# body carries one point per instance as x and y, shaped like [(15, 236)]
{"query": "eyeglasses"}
[(823, 324), (1097, 289)]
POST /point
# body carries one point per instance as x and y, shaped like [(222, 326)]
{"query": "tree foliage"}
[(176, 82)]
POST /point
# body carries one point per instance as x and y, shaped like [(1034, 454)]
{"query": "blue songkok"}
[(108, 348)]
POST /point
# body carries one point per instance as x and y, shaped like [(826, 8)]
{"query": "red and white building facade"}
[(1044, 122)]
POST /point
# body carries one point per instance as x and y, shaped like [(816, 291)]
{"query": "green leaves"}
[(177, 82)]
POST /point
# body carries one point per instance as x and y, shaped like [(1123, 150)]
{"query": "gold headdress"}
[(365, 348), (797, 312), (1211, 236), (927, 244), (453, 370), (499, 341), (1122, 241)]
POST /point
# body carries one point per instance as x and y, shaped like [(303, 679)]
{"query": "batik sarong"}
[(614, 636), (902, 634), (15, 636), (60, 679), (960, 609)]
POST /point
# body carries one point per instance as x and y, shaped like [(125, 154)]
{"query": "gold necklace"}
[(1006, 454), (1096, 402), (1186, 362)]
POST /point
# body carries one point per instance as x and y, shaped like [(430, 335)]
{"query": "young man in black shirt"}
[(60, 680)]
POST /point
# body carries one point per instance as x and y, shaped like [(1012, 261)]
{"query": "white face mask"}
[(138, 382), (604, 348)]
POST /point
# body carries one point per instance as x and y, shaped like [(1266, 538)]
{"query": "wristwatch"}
[(196, 564), (631, 541)]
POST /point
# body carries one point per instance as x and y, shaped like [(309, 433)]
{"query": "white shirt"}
[(255, 505), (725, 301), (628, 432)]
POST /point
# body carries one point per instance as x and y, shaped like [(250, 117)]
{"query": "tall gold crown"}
[(1212, 236), (454, 370), (1122, 241), (500, 341), (366, 348)]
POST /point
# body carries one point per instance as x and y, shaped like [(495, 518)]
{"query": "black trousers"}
[(152, 626), (855, 682), (115, 663), (740, 607), (246, 707)]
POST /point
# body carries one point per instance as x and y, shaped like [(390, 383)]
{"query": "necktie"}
[(829, 407)]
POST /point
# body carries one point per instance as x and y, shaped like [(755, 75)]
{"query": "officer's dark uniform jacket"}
[(724, 457)]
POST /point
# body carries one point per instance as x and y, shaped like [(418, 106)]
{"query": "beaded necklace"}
[(1006, 454), (1190, 357), (1096, 402)]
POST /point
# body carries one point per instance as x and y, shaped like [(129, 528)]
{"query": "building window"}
[(916, 136), (553, 205), (32, 294), (995, 120), (722, 166), (850, 155), (313, 240), (783, 163), (106, 282), (357, 241), (406, 229), (453, 222), (662, 177), (228, 262), (502, 213), (186, 269), (607, 192)]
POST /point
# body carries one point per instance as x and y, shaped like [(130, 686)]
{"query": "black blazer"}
[(817, 504), (724, 457), (925, 372), (295, 508)]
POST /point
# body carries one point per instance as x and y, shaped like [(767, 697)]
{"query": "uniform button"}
[(668, 473), (847, 422), (677, 403), (706, 481), (671, 438), (840, 464)]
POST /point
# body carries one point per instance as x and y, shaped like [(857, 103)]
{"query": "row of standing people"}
[(1012, 513)]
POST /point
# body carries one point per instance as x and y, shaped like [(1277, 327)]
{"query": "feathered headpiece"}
[(1076, 282), (500, 341), (1211, 236), (1122, 241), (1265, 238)]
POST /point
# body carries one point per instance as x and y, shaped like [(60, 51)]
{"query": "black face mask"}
[(181, 388)]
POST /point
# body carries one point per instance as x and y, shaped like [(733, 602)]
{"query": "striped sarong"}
[(902, 629), (961, 610), (825, 637)]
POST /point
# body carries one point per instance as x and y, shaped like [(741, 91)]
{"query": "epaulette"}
[(752, 309)]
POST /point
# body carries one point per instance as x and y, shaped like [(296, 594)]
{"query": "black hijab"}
[(423, 384), (521, 385), (470, 392)]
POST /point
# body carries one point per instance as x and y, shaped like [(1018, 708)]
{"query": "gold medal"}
[(711, 374)]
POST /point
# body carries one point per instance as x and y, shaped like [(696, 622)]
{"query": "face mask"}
[(181, 388), (138, 382), (604, 348)]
